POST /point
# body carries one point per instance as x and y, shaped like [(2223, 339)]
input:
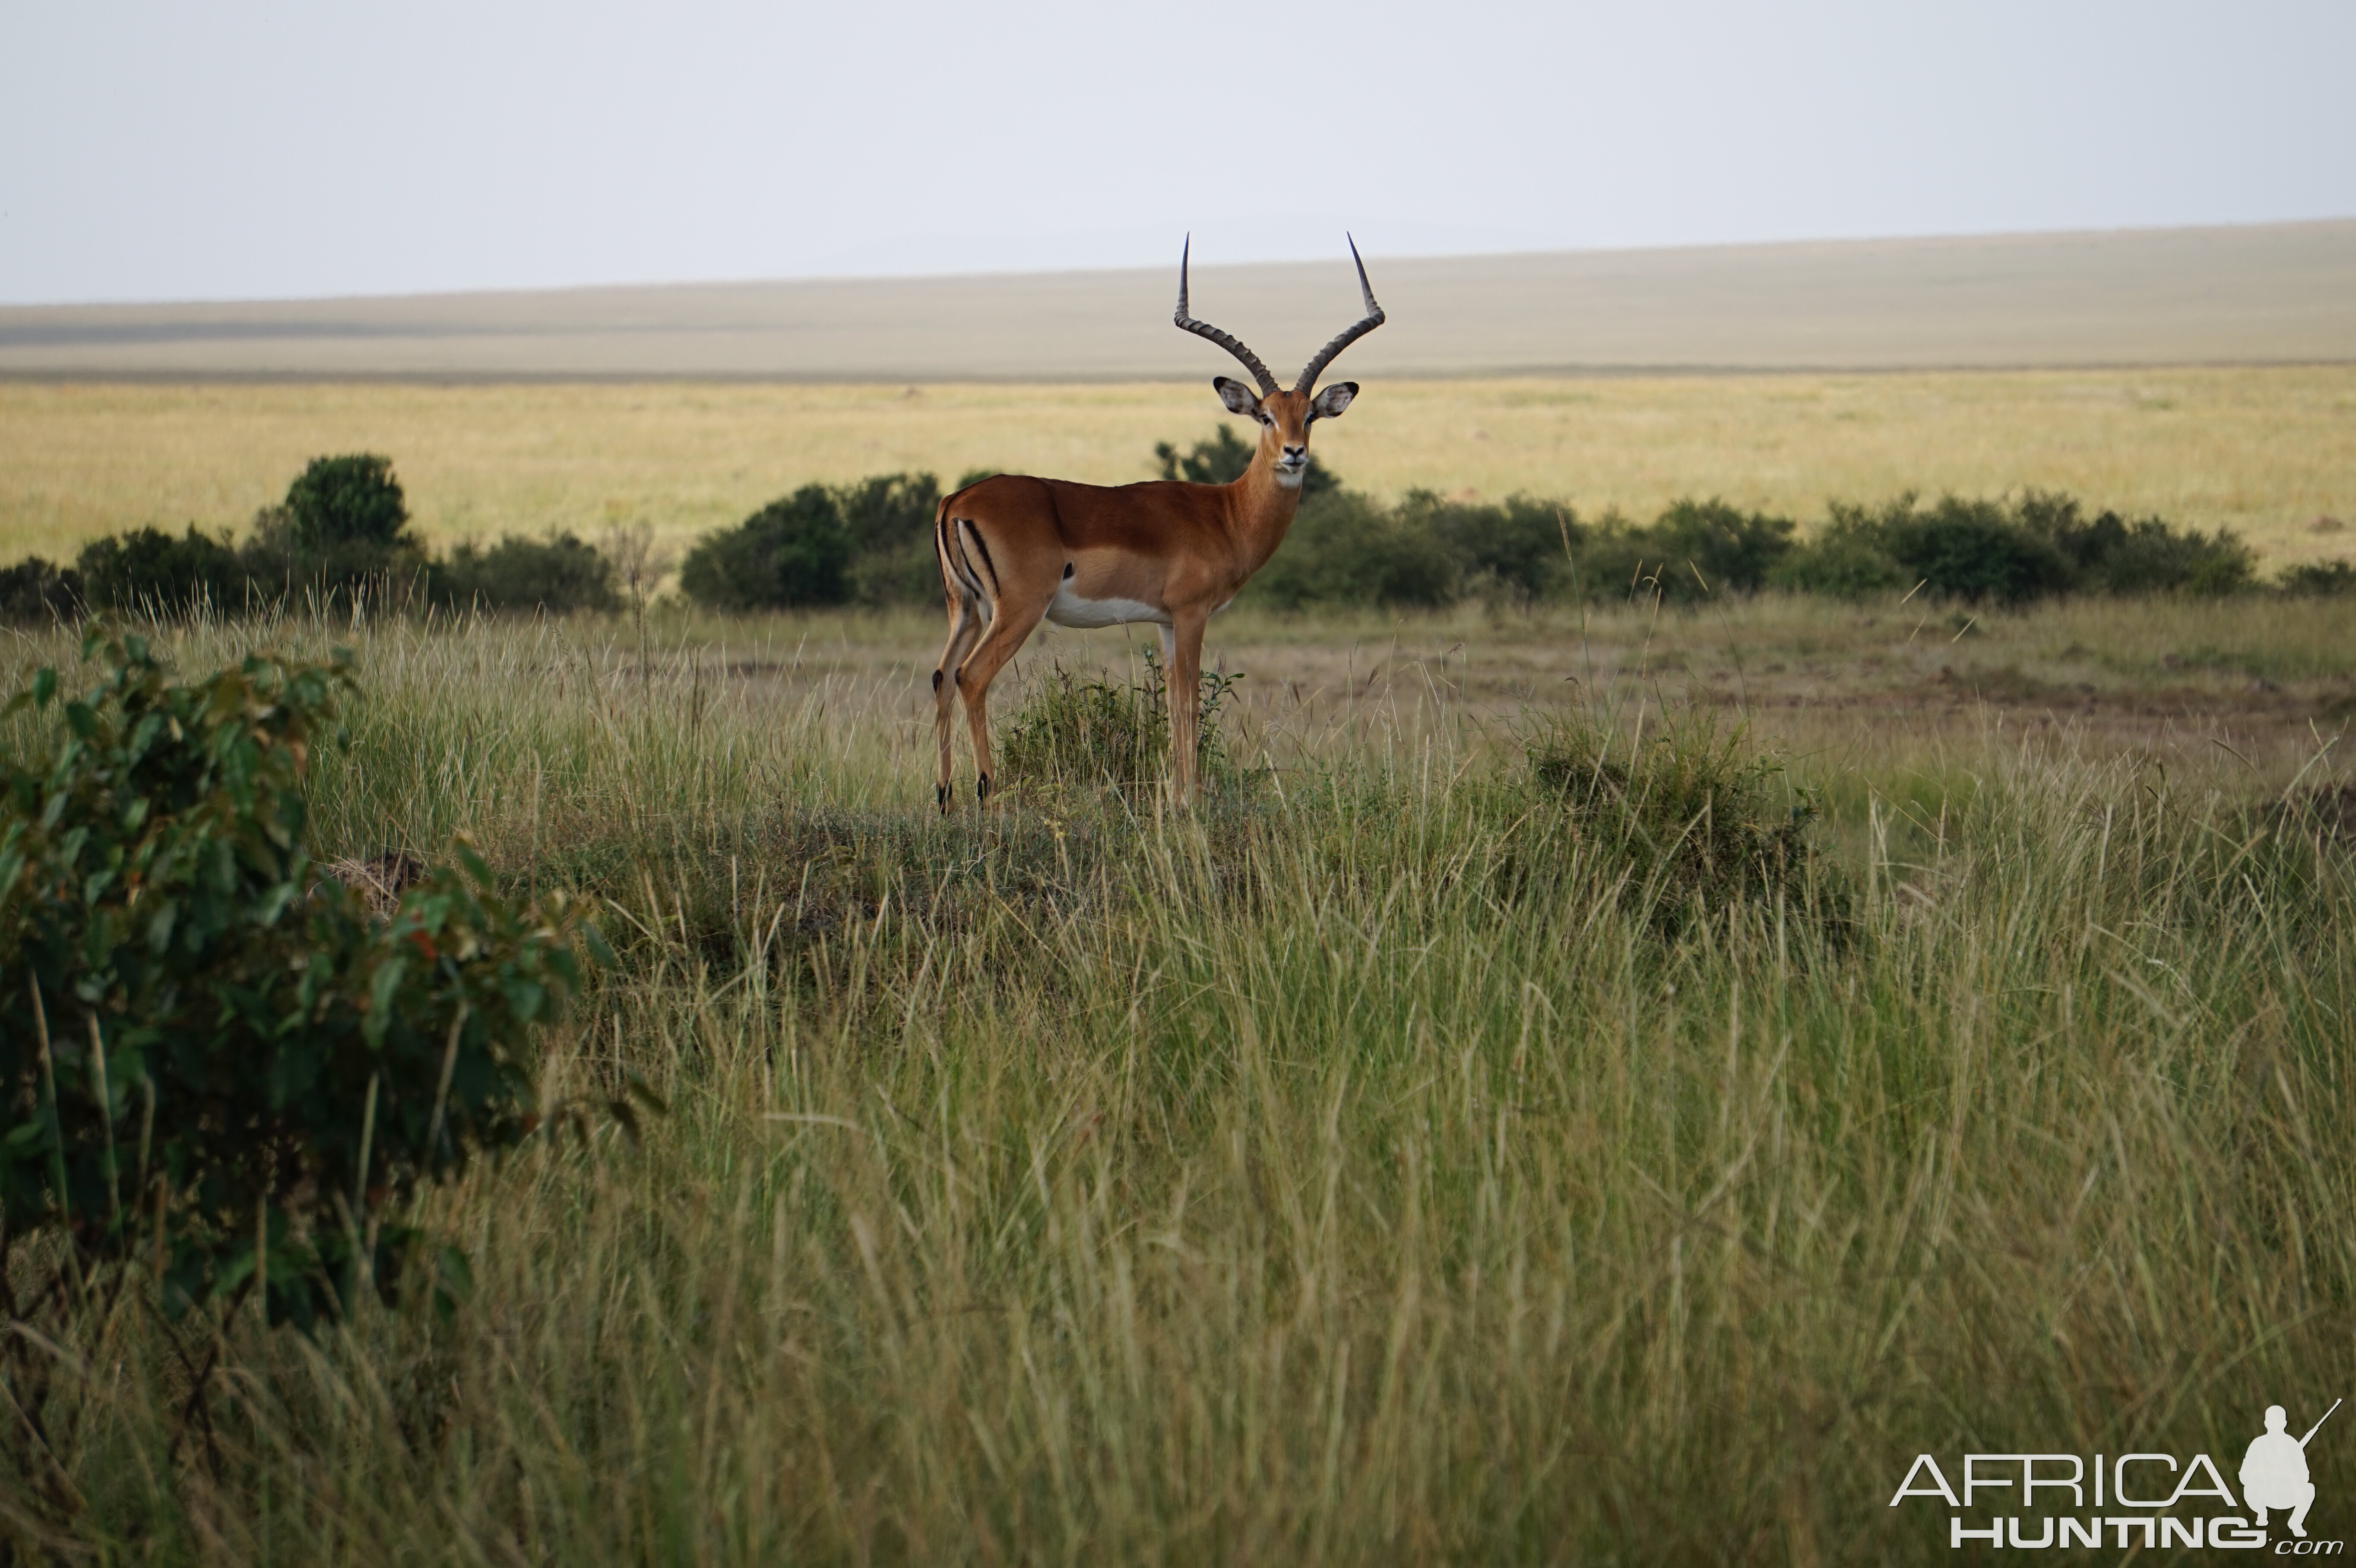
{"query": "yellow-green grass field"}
[(1404, 1156), (2264, 451), (1391, 1161)]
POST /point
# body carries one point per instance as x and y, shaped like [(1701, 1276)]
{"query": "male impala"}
[(1014, 549)]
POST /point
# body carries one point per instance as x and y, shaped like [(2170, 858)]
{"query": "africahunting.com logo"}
[(2150, 1500)]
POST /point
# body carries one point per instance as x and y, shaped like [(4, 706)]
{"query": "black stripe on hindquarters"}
[(969, 584), (982, 545), (1068, 572)]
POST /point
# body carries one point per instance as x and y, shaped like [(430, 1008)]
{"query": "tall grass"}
[(1297, 1179)]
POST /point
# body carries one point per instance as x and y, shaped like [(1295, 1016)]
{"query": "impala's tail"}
[(950, 588), (956, 545)]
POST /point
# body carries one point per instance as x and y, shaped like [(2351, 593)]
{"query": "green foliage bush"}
[(213, 1062), (889, 520), (147, 569), (338, 502), (344, 524), (1975, 550), (792, 553), (2111, 555), (35, 591), (2320, 578), (2036, 545), (557, 574), (1845, 560), (343, 529), (1694, 550), (1345, 549), (1729, 547), (1519, 548)]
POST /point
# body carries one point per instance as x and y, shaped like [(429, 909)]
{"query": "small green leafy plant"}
[(217, 1068), (1100, 729)]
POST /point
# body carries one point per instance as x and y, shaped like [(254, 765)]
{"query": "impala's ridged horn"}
[(1374, 318), (1203, 329)]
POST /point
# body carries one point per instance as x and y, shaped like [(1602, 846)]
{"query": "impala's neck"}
[(1262, 508)]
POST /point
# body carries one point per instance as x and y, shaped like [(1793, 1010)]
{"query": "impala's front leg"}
[(1182, 691)]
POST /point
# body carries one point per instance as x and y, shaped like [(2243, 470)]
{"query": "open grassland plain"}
[(2267, 452), (1404, 1157)]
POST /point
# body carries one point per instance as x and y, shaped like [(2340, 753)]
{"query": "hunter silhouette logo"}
[(2274, 1472), (2157, 1502)]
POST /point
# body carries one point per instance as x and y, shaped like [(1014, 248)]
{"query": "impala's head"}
[(1284, 416), (1284, 419)]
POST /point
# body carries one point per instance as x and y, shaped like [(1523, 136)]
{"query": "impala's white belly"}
[(1070, 610)]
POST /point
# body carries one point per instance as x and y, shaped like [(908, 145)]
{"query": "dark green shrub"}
[(1222, 459), (1345, 549), (208, 1056), (1617, 561), (889, 511), (792, 553), (1103, 730), (557, 574), (278, 570), (1691, 552), (35, 591), (1730, 548), (889, 520), (350, 500), (1844, 559), (2154, 558), (1973, 550), (148, 571), (343, 527), (908, 575), (731, 572), (2148, 556), (1519, 547), (2321, 578)]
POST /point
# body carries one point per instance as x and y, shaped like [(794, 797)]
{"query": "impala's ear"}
[(1239, 398), (1334, 400)]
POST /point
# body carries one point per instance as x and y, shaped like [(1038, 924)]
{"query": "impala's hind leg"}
[(1009, 626), (967, 617)]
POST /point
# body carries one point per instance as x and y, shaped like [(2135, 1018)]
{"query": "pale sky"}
[(243, 151)]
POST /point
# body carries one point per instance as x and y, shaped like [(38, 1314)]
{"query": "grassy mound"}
[(1686, 823)]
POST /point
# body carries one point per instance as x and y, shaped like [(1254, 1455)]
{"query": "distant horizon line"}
[(869, 279)]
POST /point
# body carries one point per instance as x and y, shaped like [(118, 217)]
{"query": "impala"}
[(1015, 549)]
